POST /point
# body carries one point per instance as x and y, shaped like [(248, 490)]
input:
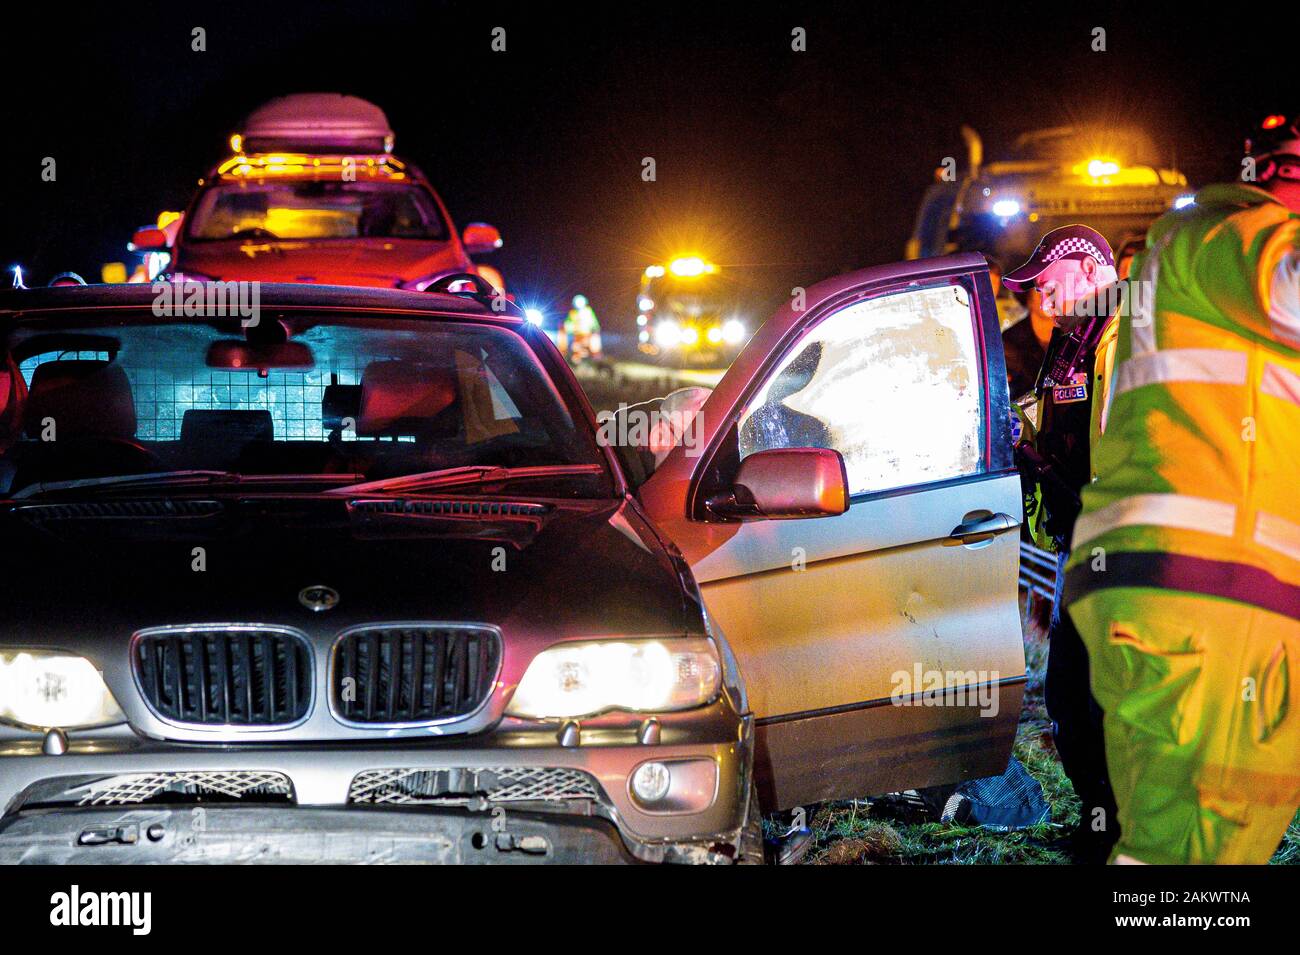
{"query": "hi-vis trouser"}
[(1202, 722), (1184, 578)]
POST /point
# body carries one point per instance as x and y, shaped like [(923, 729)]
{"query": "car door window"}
[(892, 383)]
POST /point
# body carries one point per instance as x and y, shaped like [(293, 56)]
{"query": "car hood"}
[(370, 262), (583, 569)]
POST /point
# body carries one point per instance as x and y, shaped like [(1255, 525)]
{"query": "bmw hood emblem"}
[(318, 597)]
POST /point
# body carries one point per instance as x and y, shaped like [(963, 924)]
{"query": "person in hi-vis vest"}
[(1184, 577)]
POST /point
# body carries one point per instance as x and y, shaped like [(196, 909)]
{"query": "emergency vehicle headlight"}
[(1182, 202), (714, 334), (733, 331), (1006, 208), (534, 315), (690, 335), (668, 334), (42, 689), (582, 678)]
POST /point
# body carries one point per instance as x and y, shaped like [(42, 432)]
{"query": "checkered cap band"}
[(1073, 244)]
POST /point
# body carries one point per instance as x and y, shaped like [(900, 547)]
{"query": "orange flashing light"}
[(290, 164), (691, 266), (1108, 172)]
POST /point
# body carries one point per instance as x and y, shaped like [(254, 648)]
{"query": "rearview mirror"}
[(785, 484), (480, 237), (149, 240), (239, 355)]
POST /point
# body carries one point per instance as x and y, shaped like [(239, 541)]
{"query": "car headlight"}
[(582, 678), (43, 689)]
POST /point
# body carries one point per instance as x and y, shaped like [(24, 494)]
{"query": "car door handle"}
[(980, 527)]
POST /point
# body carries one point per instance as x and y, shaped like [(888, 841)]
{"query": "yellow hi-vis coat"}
[(1198, 473), (1184, 580)]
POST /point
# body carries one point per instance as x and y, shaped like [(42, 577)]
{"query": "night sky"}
[(789, 165)]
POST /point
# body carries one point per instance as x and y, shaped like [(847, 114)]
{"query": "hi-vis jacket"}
[(1198, 471)]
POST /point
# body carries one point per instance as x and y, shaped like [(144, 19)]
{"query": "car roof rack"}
[(315, 123)]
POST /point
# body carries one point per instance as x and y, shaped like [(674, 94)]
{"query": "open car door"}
[(881, 648)]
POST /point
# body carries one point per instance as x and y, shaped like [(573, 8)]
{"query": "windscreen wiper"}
[(474, 474), (203, 478), (152, 479)]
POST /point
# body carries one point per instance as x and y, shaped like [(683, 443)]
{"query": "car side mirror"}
[(479, 237), (149, 240), (786, 484)]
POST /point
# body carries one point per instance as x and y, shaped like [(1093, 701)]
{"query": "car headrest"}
[(84, 399), (225, 428), (340, 403), (13, 388), (13, 396), (400, 396)]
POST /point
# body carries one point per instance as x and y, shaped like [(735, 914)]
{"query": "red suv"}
[(314, 194)]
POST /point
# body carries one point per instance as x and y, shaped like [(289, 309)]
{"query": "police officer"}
[(1072, 272), (1185, 576)]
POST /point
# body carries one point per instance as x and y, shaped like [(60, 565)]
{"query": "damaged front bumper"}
[(122, 798), (304, 836)]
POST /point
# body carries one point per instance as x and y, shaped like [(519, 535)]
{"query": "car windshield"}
[(323, 400), (315, 209)]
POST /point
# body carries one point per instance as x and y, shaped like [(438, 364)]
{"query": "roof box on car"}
[(315, 123)]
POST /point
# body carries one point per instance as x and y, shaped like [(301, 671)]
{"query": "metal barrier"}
[(1037, 570)]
